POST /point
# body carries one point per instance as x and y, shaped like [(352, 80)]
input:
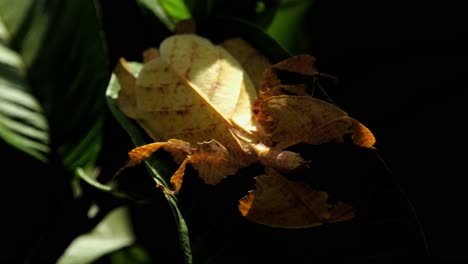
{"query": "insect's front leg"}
[(178, 148)]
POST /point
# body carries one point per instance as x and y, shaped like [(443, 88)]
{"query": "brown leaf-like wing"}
[(302, 64), (279, 202), (289, 120), (271, 84)]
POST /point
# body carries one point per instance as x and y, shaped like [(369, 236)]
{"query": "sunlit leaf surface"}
[(112, 233)]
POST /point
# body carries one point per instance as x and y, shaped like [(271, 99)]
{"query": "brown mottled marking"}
[(213, 87), (183, 112), (187, 73), (162, 87)]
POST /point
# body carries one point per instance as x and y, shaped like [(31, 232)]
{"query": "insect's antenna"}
[(322, 90), (410, 205), (326, 75), (317, 85)]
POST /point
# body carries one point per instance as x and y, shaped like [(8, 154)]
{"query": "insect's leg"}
[(139, 154), (210, 159), (178, 177)]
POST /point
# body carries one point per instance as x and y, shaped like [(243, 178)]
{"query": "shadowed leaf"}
[(279, 202), (22, 121), (61, 46)]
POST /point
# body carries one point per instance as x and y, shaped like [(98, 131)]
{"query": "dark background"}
[(403, 72)]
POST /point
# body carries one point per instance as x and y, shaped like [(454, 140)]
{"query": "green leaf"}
[(22, 121), (256, 12), (287, 26), (62, 47), (200, 9), (134, 254), (176, 9), (156, 167), (112, 233), (91, 181), (159, 11), (219, 28)]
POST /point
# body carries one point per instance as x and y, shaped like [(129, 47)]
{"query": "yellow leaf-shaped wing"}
[(198, 61), (279, 202), (170, 107), (210, 69), (253, 62), (126, 99)]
